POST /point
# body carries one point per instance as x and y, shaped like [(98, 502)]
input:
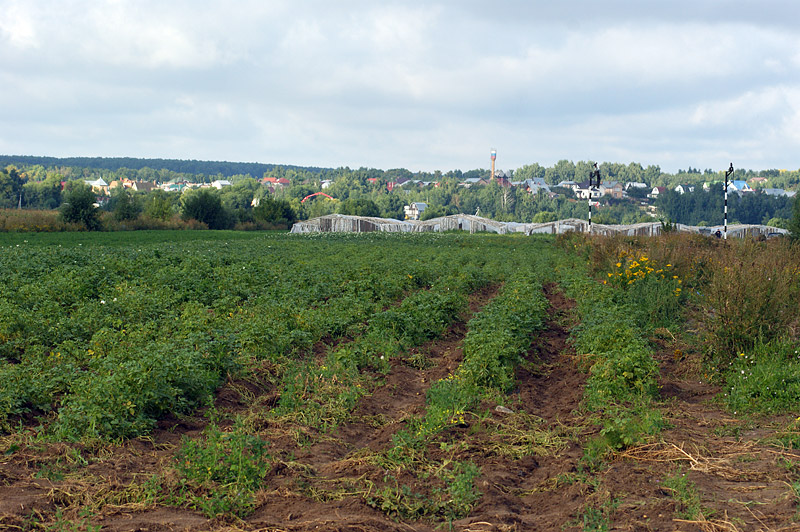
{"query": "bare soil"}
[(317, 482)]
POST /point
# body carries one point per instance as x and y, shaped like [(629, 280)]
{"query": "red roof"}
[(276, 181)]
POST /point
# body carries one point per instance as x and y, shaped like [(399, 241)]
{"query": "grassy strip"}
[(623, 375)]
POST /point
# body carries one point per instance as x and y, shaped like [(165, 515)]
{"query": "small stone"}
[(503, 410)]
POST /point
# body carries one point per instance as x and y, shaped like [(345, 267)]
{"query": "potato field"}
[(252, 381)]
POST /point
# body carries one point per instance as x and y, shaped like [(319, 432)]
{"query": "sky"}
[(422, 85)]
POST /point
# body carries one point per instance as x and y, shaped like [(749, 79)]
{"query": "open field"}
[(249, 381)]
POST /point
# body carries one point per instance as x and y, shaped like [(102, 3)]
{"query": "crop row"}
[(497, 339), (320, 393)]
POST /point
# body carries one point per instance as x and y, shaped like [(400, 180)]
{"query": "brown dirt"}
[(318, 480)]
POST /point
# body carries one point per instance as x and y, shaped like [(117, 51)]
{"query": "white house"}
[(415, 210), (219, 183), (683, 189), (584, 192)]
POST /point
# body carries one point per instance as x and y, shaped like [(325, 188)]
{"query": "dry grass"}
[(521, 434), (718, 466)]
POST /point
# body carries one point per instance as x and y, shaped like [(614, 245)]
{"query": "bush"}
[(437, 211), (275, 213), (126, 206), (159, 205), (205, 205), (228, 466), (25, 220), (78, 206), (499, 336), (359, 207)]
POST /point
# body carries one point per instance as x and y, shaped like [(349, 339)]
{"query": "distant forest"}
[(211, 168)]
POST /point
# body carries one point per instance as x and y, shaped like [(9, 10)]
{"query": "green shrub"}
[(205, 205), (78, 206), (625, 375)]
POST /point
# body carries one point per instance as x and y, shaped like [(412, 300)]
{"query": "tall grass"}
[(39, 221), (24, 220), (739, 292), (749, 293)]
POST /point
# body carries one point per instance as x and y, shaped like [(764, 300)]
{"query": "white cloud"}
[(17, 24)]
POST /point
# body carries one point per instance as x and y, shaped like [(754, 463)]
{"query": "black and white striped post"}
[(594, 177), (728, 173)]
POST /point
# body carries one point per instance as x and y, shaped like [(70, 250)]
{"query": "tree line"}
[(706, 206), (364, 191)]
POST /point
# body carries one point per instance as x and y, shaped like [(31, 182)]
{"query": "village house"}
[(683, 189), (777, 192), (583, 191), (656, 192), (503, 182), (612, 188), (414, 210), (138, 186), (739, 187), (278, 182), (473, 181), (533, 186), (99, 186)]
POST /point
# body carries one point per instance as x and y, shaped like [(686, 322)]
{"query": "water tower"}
[(494, 156)]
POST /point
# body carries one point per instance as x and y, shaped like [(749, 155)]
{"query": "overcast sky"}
[(423, 85)]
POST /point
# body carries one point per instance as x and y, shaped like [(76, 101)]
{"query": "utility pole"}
[(594, 177), (728, 173)]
